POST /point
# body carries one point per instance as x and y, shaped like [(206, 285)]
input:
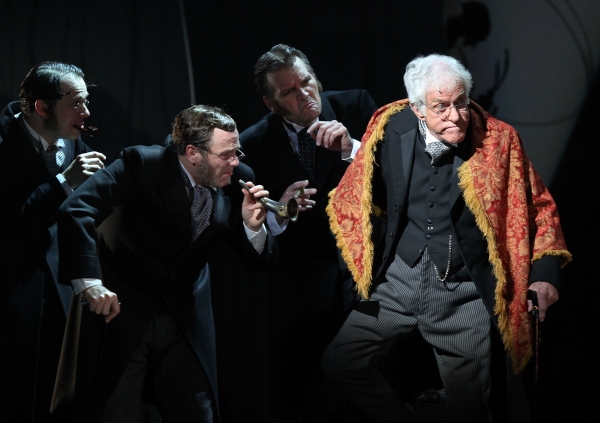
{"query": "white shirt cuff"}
[(63, 183), (348, 156), (82, 284), (274, 226), (257, 239)]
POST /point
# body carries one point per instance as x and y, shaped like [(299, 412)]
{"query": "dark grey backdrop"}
[(139, 54)]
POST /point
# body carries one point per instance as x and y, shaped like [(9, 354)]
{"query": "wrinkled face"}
[(452, 127), (212, 169), (295, 94), (69, 111)]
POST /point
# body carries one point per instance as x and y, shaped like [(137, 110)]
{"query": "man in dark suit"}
[(167, 230), (445, 226), (42, 160), (304, 143)]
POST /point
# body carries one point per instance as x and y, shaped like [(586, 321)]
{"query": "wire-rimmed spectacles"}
[(76, 105), (239, 155), (443, 111)]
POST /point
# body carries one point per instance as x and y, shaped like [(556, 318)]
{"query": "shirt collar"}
[(428, 136), (297, 127), (60, 143), (192, 182)]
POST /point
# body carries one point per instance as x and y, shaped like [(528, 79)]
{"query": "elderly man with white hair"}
[(445, 226)]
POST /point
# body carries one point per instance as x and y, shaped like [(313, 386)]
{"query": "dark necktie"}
[(54, 156), (51, 159), (200, 209), (436, 150), (306, 152)]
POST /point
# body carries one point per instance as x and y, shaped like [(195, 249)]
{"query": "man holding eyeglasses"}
[(166, 231), (42, 160), (459, 226)]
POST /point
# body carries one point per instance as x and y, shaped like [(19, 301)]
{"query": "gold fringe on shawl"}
[(494, 184), (500, 308), (351, 224)]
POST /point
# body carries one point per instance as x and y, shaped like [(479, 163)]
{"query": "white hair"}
[(434, 72)]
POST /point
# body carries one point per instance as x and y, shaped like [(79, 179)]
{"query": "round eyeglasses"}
[(77, 105), (443, 111), (239, 155)]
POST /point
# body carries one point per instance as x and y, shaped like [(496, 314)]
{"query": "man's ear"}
[(41, 107), (190, 153), (416, 111), (269, 103)]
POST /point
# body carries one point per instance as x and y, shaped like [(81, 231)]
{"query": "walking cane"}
[(535, 313)]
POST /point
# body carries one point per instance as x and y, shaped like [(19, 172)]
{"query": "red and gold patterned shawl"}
[(495, 181)]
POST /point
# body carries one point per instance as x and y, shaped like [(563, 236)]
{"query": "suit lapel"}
[(221, 209), (175, 196), (29, 155), (462, 154), (280, 148), (324, 158), (402, 154), (218, 218), (455, 191), (68, 149)]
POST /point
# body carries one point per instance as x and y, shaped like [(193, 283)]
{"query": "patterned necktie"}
[(306, 152), (54, 156), (201, 207), (51, 158), (436, 150), (200, 210)]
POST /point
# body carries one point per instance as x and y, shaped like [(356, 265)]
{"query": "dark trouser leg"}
[(451, 317), (298, 389), (165, 362), (370, 330), (181, 386), (456, 323), (127, 401)]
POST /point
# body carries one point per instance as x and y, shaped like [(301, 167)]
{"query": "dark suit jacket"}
[(395, 157), (29, 202), (145, 255), (307, 243)]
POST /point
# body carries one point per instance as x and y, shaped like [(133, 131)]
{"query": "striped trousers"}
[(450, 316)]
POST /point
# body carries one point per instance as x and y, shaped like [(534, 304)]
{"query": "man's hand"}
[(547, 295), (302, 194), (84, 166), (332, 135), (253, 212), (102, 301)]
